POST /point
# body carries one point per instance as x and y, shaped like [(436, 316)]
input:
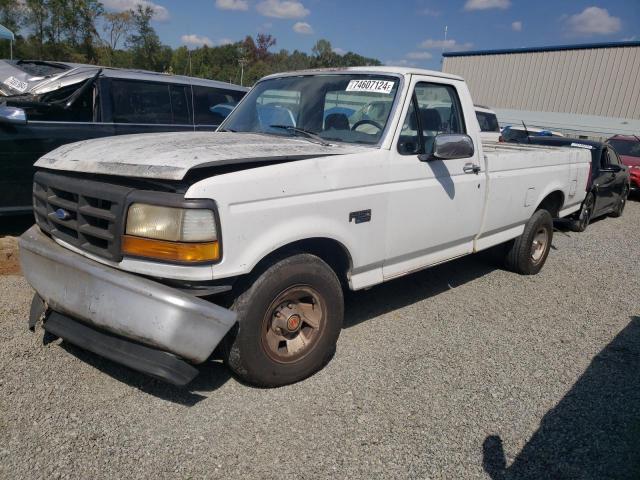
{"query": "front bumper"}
[(126, 305)]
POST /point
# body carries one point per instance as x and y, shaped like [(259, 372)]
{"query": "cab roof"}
[(380, 70)]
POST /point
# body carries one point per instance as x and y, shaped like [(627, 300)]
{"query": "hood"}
[(169, 156), (630, 161)]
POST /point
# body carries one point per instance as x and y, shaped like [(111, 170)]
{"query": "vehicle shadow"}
[(364, 305), (211, 377), (593, 432)]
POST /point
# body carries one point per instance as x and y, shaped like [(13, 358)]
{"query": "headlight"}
[(169, 233)]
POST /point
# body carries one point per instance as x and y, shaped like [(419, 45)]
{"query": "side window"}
[(212, 105), (140, 102), (604, 159), (613, 157), (180, 105), (81, 111), (435, 109)]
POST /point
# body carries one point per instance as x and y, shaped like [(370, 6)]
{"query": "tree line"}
[(82, 31)]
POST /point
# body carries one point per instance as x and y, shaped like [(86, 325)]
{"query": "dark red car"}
[(628, 148)]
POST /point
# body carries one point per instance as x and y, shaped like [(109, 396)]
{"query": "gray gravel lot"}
[(461, 371)]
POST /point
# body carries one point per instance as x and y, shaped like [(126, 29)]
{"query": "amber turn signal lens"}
[(171, 251)]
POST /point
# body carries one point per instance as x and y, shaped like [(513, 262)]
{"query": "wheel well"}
[(552, 203), (334, 253)]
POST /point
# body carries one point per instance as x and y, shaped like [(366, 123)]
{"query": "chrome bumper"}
[(127, 305)]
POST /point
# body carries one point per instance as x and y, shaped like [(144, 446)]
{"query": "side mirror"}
[(12, 115), (612, 168), (450, 146)]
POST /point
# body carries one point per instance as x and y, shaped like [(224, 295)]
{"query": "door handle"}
[(471, 168)]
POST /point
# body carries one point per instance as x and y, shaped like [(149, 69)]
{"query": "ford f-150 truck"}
[(152, 250)]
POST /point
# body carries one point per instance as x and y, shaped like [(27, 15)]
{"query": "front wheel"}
[(289, 320), (528, 253)]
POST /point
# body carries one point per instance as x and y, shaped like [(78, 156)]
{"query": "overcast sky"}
[(399, 32)]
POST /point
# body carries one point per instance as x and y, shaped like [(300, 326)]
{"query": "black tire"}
[(520, 252), (251, 353), (581, 223), (622, 202)]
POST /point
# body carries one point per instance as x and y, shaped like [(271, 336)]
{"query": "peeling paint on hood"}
[(170, 156)]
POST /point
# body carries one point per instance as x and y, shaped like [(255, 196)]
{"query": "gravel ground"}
[(461, 371)]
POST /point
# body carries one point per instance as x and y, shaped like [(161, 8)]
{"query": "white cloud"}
[(400, 63), (516, 26), (196, 40), (419, 55), (225, 41), (445, 45), (430, 12), (593, 21), (487, 4), (242, 5), (630, 39), (282, 9), (160, 13), (339, 51), (303, 27)]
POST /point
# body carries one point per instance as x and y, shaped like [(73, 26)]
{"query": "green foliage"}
[(68, 30)]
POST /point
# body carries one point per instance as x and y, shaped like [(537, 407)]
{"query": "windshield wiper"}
[(307, 133)]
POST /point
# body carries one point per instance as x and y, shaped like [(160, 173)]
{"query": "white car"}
[(155, 249), (488, 122)]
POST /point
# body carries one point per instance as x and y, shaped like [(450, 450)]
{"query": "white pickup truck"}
[(153, 250)]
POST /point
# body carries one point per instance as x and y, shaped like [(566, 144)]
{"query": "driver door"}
[(434, 206)]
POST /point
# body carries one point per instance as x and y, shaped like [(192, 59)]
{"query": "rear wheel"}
[(581, 223), (528, 253), (622, 202), (289, 320)]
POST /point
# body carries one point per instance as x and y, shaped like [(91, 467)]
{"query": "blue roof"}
[(6, 34), (556, 48)]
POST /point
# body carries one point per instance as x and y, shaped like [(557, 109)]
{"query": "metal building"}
[(590, 89)]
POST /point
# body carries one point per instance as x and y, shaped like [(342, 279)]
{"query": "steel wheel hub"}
[(293, 323), (539, 245)]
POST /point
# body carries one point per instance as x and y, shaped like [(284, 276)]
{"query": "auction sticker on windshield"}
[(16, 84), (371, 86)]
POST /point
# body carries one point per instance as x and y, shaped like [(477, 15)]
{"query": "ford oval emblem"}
[(62, 214)]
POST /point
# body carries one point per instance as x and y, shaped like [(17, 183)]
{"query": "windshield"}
[(626, 147), (343, 108)]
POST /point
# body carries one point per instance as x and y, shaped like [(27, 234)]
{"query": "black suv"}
[(48, 104), (608, 185)]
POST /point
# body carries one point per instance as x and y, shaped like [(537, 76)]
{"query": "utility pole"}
[(242, 62), (443, 47)]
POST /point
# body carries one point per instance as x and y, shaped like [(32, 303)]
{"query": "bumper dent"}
[(126, 305)]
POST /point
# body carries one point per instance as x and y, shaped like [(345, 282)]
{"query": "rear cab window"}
[(488, 122)]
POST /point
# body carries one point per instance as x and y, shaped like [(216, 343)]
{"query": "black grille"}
[(84, 213)]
